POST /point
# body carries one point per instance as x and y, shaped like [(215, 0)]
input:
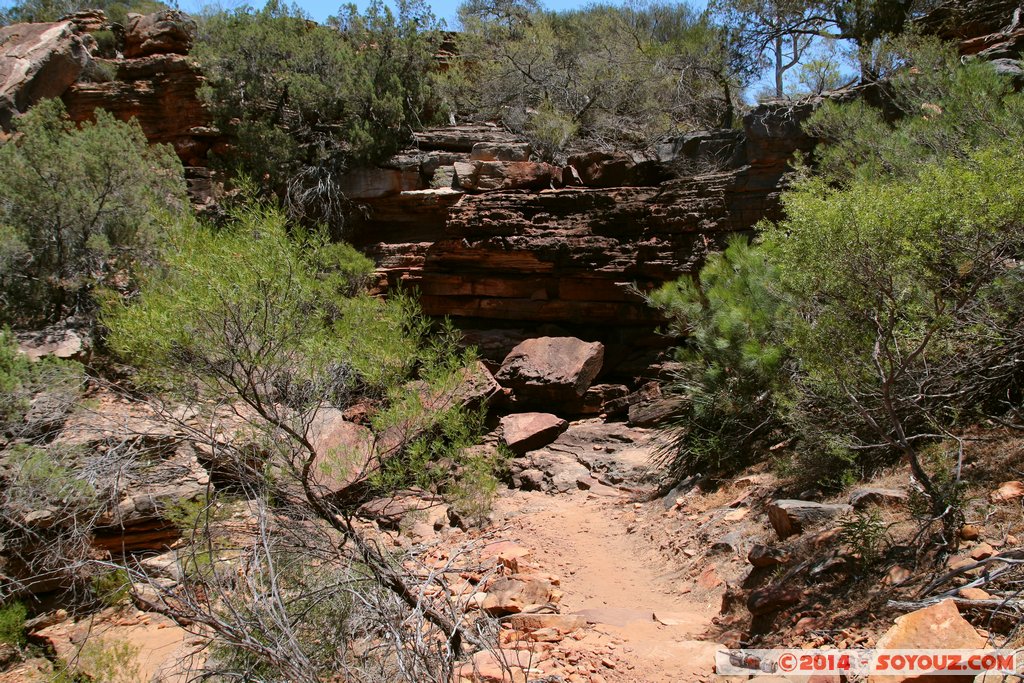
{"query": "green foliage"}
[(52, 10), (111, 587), (53, 383), (12, 624), (77, 204), (617, 76), (865, 533), (945, 110), (735, 364), (248, 312), (47, 478), (308, 102)]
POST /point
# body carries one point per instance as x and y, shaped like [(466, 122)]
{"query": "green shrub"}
[(50, 381), (309, 102), (12, 624), (610, 76), (936, 109), (111, 587), (735, 364), (77, 203), (249, 312)]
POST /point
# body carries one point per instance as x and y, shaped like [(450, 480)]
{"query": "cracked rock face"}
[(37, 61)]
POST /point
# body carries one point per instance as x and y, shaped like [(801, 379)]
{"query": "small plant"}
[(112, 587), (865, 533), (12, 624), (114, 661)]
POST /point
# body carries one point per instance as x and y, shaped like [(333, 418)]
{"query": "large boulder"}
[(938, 626), (344, 450), (517, 594), (524, 432), (483, 176), (790, 517), (166, 32), (551, 369), (37, 61)]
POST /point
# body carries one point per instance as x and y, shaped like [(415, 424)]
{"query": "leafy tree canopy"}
[(51, 10), (617, 76), (77, 205), (309, 102)]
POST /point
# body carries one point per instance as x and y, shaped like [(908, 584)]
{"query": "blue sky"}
[(443, 9)]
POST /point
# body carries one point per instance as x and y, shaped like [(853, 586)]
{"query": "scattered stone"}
[(732, 542), (938, 626), (523, 432), (736, 515), (767, 556), (974, 594), (896, 575), (406, 505), (563, 623), (790, 517), (869, 495), (773, 599), (516, 594), (1007, 491), (982, 551), (970, 532)]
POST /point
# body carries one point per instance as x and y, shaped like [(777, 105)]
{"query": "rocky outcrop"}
[(506, 246), (166, 32), (37, 61), (154, 81), (158, 91), (937, 627)]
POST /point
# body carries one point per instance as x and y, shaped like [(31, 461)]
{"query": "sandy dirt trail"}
[(609, 576)]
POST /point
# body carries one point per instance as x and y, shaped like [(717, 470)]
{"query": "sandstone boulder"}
[(524, 432), (484, 176), (405, 507), (1008, 491), (165, 32), (790, 517), (37, 61), (57, 342), (767, 556), (516, 594), (873, 495), (498, 151), (937, 626), (551, 369), (772, 599), (343, 450)]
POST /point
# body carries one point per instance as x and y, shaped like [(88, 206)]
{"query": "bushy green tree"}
[(613, 76), (77, 205), (906, 301), (264, 318), (735, 366), (937, 108), (308, 102), (33, 11)]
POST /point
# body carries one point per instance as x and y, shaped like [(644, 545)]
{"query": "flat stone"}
[(523, 432), (790, 517)]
